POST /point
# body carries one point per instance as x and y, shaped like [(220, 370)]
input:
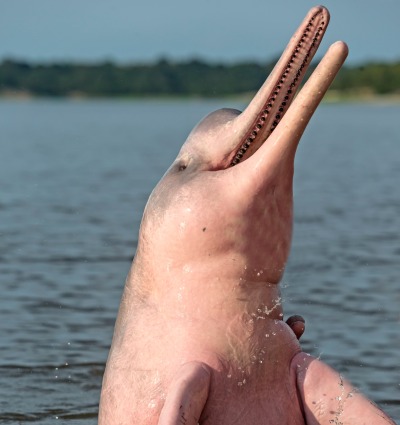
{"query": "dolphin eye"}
[(182, 165), (183, 162)]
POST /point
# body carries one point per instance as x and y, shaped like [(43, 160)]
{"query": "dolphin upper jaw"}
[(228, 137), (236, 136)]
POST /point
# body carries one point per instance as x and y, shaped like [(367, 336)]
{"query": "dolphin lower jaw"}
[(273, 99)]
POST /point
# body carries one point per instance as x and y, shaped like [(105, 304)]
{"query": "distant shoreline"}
[(191, 79)]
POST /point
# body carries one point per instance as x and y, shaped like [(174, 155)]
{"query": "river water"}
[(74, 178)]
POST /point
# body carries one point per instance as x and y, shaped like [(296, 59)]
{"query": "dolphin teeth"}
[(286, 85)]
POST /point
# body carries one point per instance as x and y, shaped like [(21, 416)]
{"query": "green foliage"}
[(376, 78), (166, 78)]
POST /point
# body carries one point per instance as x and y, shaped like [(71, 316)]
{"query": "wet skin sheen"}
[(199, 335)]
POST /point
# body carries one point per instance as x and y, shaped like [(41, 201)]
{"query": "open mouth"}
[(280, 88)]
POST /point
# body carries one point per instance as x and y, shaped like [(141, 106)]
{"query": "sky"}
[(215, 30)]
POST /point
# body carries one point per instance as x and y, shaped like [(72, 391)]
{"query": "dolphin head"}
[(224, 207)]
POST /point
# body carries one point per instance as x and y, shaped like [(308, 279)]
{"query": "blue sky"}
[(227, 30)]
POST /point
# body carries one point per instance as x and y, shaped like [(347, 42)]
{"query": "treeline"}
[(167, 78)]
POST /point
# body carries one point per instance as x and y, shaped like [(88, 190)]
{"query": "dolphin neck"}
[(200, 297)]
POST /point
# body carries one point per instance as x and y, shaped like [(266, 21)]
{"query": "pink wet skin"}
[(199, 336), (325, 396)]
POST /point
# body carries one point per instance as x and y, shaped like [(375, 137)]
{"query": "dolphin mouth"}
[(270, 104)]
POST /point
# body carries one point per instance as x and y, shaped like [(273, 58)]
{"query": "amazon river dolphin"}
[(199, 336)]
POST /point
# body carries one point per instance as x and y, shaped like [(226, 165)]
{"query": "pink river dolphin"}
[(200, 336)]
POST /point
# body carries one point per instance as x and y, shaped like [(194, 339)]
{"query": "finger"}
[(186, 395), (297, 324)]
